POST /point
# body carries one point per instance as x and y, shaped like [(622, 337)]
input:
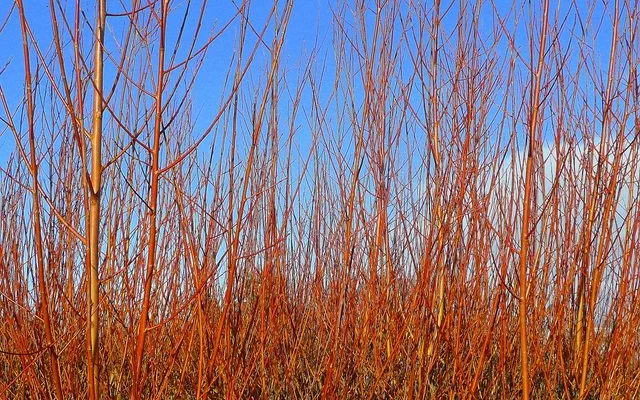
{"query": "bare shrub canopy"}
[(386, 199)]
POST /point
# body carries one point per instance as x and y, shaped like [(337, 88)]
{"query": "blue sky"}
[(310, 23), (310, 27)]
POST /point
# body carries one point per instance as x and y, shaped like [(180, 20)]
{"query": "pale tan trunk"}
[(93, 288)]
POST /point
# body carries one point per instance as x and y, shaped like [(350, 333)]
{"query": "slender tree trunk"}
[(153, 208), (524, 253), (534, 117), (608, 210), (93, 288)]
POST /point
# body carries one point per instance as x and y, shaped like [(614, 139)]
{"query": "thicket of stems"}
[(437, 200)]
